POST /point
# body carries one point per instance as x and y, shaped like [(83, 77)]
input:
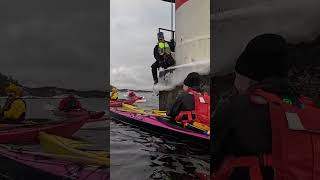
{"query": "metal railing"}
[(172, 32)]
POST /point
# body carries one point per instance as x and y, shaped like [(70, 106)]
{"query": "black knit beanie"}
[(193, 80), (264, 57)]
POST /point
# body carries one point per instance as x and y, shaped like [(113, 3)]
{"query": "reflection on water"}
[(137, 154)]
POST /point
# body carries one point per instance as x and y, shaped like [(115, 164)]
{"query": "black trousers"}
[(166, 62), (154, 70)]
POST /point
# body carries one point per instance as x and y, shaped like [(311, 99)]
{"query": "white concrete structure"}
[(193, 31), (192, 43)]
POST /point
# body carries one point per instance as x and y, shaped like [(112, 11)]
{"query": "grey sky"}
[(54, 43), (133, 31)]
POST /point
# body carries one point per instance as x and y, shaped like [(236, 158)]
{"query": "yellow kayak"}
[(201, 126), (159, 113), (63, 146), (133, 109)]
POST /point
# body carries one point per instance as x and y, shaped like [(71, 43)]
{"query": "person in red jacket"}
[(70, 103), (191, 105), (242, 126), (132, 95)]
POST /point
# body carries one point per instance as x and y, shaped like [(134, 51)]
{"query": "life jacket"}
[(8, 104), (295, 142), (201, 112), (114, 96), (164, 48)]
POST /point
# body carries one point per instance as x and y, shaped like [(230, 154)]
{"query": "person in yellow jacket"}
[(114, 94), (15, 107)]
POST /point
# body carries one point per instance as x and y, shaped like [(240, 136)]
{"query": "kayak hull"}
[(141, 100), (155, 125), (29, 134), (102, 124), (20, 164)]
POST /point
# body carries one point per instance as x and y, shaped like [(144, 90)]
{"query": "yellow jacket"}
[(17, 109), (114, 95)]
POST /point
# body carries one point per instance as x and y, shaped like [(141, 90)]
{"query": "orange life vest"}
[(295, 142), (201, 112)]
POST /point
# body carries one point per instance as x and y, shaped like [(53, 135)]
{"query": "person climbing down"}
[(162, 54), (114, 94), (191, 106), (70, 103), (15, 107), (264, 132)]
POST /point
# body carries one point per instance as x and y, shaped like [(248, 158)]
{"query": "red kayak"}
[(21, 164), (80, 113), (28, 134), (119, 103)]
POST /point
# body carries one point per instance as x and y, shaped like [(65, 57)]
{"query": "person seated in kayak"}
[(241, 126), (133, 95), (191, 105), (114, 94), (70, 103), (162, 54), (15, 107)]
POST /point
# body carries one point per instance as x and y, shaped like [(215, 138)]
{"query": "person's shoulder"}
[(184, 95), (180, 95)]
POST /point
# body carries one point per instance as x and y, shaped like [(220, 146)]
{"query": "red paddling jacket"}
[(191, 106)]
